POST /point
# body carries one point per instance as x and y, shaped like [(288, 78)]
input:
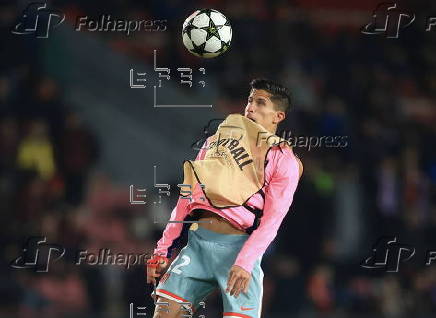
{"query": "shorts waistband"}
[(209, 235)]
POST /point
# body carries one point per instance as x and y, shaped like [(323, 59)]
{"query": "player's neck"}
[(272, 129)]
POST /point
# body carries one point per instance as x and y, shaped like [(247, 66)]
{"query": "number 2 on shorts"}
[(186, 261)]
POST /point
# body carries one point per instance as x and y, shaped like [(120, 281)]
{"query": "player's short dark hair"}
[(280, 95)]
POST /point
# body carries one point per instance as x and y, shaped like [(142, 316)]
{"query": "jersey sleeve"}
[(278, 199), (172, 230)]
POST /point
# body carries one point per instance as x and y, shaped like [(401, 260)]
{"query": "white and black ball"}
[(207, 33)]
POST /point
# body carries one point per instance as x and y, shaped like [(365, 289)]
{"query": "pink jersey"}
[(281, 180)]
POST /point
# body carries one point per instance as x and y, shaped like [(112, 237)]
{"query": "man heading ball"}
[(233, 229)]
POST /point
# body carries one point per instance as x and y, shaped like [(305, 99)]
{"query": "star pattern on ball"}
[(224, 47), (212, 30), (189, 28), (198, 49)]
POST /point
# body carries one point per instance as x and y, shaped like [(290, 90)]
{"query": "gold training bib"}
[(233, 167)]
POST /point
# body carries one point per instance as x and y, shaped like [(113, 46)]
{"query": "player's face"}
[(261, 110)]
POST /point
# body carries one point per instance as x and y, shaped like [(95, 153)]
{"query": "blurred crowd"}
[(378, 94)]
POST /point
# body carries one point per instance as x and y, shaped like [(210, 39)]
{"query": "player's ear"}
[(279, 117)]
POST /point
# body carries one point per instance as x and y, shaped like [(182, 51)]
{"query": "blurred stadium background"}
[(74, 136)]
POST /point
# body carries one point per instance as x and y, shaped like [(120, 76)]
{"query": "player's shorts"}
[(203, 265)]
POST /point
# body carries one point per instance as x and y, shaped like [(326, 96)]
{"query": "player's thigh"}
[(246, 304), (188, 279), (167, 308)]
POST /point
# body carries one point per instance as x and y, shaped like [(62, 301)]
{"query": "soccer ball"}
[(207, 33)]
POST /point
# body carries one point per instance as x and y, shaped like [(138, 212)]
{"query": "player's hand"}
[(238, 281), (155, 267)]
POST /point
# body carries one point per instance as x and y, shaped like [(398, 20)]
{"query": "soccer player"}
[(225, 247)]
